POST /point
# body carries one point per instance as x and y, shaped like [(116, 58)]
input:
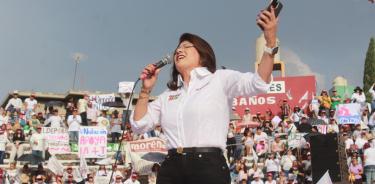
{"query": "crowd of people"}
[(262, 154), (255, 154)]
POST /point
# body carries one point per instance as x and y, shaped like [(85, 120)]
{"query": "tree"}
[(369, 72)]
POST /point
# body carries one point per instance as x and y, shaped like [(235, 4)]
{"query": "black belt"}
[(194, 150)]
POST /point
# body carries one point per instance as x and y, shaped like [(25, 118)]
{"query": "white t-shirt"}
[(262, 136), (74, 123), (348, 143), (36, 141), (287, 162), (55, 121), (270, 182), (4, 119), (360, 142), (257, 182), (16, 102), (130, 181), (370, 156), (82, 105), (30, 103), (272, 165)]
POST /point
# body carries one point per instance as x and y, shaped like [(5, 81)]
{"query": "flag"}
[(83, 168), (325, 179), (304, 97), (55, 166)]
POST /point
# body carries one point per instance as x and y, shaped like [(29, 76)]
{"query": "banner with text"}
[(98, 100), (349, 113), (297, 90), (145, 153), (92, 142), (57, 140)]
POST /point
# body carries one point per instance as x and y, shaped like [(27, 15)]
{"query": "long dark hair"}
[(206, 54)]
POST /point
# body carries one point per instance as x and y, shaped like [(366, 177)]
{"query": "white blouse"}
[(197, 114)]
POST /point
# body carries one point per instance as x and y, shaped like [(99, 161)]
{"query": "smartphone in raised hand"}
[(277, 5)]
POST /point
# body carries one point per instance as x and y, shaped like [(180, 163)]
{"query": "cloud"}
[(295, 66)]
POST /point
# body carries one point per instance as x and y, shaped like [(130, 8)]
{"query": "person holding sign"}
[(195, 109)]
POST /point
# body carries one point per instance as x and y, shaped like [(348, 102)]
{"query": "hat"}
[(233, 108), (269, 174), (32, 113), (334, 90), (39, 177), (119, 175), (258, 112), (285, 100), (247, 109), (357, 88), (331, 110), (308, 153), (33, 94), (15, 92)]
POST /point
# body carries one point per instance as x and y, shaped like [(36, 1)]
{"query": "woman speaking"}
[(194, 111)]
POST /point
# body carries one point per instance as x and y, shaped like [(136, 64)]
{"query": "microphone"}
[(168, 59)]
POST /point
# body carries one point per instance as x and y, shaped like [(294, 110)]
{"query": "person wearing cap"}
[(323, 116), (37, 143), (257, 179), (14, 104), (246, 118), (325, 100), (74, 122), (30, 105), (332, 126), (133, 179), (296, 115), (54, 121), (71, 174), (358, 96), (3, 142), (335, 98), (285, 109), (270, 179), (195, 110), (82, 108), (33, 122), (272, 165)]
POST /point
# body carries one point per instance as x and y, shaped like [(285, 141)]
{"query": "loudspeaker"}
[(325, 156)]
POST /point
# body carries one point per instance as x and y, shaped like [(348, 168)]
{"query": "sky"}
[(38, 39)]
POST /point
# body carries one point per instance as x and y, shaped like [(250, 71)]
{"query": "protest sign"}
[(98, 100), (145, 153), (148, 145), (92, 142), (296, 140), (102, 179), (57, 140), (349, 113), (125, 87)]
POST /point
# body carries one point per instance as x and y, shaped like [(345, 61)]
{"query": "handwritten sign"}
[(98, 100), (92, 142), (349, 113), (57, 140)]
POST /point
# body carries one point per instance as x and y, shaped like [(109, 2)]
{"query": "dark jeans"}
[(2, 155), (231, 148), (84, 118), (194, 168), (36, 153), (115, 136)]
